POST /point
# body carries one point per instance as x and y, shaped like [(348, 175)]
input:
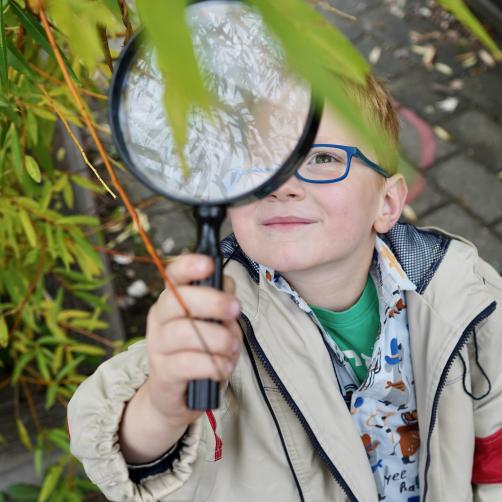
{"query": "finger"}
[(202, 302), (185, 366), (193, 335), (191, 267)]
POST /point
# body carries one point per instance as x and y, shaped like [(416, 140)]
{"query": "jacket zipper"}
[(270, 409), (458, 347), (289, 400)]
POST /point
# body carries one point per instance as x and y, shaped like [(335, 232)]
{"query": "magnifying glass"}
[(259, 129)]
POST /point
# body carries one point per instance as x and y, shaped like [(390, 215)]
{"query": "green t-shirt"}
[(354, 330)]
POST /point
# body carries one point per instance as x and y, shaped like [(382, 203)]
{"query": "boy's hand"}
[(156, 416), (176, 353)]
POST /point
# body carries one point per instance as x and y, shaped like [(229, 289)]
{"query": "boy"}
[(361, 361)]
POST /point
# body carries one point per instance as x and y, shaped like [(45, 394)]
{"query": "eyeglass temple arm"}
[(371, 164)]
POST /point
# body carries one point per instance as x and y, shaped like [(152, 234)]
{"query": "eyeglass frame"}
[(352, 151)]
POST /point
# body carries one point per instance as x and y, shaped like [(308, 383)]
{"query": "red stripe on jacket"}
[(487, 466)]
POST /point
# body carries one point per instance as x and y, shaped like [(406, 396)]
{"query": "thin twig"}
[(5, 382), (88, 334), (106, 48), (75, 140), (326, 6), (125, 19), (34, 381), (31, 406), (50, 78)]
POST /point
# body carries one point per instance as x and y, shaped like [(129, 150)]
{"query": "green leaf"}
[(467, 18), (68, 195), (38, 456), (28, 227), (89, 324), (85, 485), (50, 397), (89, 184), (113, 7), (42, 366), (32, 127), (57, 360), (88, 258), (32, 168), (89, 350), (17, 61), (49, 238), (66, 370), (23, 434), (22, 492), (15, 149), (61, 182), (62, 247), (20, 364), (4, 80), (33, 28), (79, 20), (78, 219), (44, 114), (31, 257), (59, 437), (4, 333), (50, 482)]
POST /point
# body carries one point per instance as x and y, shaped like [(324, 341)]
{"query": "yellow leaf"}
[(28, 227), (4, 333), (23, 434), (32, 168), (90, 350)]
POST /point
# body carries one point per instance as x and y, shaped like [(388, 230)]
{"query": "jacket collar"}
[(418, 251)]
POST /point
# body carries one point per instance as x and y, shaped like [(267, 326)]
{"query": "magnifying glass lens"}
[(255, 122)]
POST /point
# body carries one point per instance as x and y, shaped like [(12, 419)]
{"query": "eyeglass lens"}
[(324, 164)]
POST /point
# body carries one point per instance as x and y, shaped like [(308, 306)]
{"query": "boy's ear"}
[(393, 199)]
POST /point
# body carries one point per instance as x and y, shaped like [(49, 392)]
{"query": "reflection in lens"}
[(246, 137)]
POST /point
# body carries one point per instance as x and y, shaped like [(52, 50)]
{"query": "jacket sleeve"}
[(94, 415), (486, 382)]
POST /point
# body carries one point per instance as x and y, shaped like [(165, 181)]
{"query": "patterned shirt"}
[(383, 406)]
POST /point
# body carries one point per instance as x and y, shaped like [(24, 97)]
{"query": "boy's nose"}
[(293, 188)]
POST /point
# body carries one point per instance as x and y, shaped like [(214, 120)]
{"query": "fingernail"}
[(199, 265)]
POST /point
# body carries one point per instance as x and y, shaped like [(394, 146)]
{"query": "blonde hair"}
[(375, 104)]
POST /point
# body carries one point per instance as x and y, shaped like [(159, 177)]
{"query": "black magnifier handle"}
[(205, 394)]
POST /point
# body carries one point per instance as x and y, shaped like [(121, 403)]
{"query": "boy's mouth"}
[(286, 222)]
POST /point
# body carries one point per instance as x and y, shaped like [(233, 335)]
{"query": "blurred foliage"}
[(46, 257)]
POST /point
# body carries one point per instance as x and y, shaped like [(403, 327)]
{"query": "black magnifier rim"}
[(287, 169)]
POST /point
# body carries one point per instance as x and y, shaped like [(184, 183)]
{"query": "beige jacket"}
[(287, 433)]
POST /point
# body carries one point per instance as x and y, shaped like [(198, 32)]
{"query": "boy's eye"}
[(324, 158)]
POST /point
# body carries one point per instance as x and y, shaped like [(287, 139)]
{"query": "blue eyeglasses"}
[(329, 163)]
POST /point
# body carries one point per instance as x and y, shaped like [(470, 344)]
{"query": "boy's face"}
[(304, 225)]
